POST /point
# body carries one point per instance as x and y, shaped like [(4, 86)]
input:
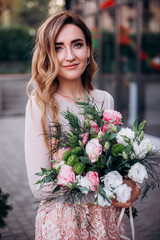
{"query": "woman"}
[(62, 70)]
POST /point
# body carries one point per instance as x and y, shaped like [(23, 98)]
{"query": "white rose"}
[(123, 193), (125, 132), (139, 153), (83, 182), (138, 172), (93, 149), (113, 179), (59, 164), (142, 149), (146, 144), (104, 202)]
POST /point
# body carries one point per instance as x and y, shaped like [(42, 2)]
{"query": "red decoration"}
[(124, 39), (143, 56), (155, 62), (106, 4)]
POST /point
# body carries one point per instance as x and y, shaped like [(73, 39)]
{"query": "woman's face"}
[(72, 53)]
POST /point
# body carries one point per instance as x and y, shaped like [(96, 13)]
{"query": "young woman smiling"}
[(62, 70)]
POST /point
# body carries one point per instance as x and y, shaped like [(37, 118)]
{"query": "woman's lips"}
[(71, 66)]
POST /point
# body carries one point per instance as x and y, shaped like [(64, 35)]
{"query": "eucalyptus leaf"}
[(78, 197), (127, 165), (84, 159), (81, 103), (37, 182), (42, 183), (95, 168), (57, 188), (53, 170), (39, 174), (112, 136), (109, 162), (44, 170), (54, 161), (83, 189), (103, 194), (74, 184), (128, 149), (87, 96), (48, 172), (141, 125), (135, 125), (103, 159), (72, 119), (48, 179)]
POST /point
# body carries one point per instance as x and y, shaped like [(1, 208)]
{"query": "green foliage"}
[(117, 149), (90, 110), (49, 176), (15, 44), (79, 168), (108, 55), (138, 129), (72, 119), (76, 151), (150, 43), (66, 155), (72, 160), (111, 156), (84, 159), (33, 12), (73, 141), (4, 208)]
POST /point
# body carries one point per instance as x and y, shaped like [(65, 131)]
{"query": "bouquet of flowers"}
[(99, 156)]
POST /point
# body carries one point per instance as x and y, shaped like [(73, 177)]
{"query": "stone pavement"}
[(13, 180)]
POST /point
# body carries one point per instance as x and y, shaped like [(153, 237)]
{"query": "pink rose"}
[(66, 175), (58, 155), (93, 179), (110, 115), (85, 137), (93, 149), (95, 127), (105, 127)]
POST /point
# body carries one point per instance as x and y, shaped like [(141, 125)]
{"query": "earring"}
[(88, 61)]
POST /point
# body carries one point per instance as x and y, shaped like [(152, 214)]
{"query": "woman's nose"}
[(70, 54)]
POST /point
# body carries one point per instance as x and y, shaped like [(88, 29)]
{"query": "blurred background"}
[(126, 37)]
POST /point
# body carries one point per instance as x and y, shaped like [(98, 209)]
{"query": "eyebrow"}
[(75, 40)]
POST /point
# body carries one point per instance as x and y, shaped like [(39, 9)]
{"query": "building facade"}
[(126, 37)]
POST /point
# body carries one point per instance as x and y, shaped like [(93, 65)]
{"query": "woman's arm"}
[(36, 152)]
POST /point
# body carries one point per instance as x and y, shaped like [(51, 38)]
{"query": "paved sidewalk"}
[(13, 180)]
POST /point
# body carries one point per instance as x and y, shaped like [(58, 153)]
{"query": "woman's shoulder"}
[(32, 107), (101, 96)]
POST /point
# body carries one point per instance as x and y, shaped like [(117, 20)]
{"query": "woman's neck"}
[(71, 90)]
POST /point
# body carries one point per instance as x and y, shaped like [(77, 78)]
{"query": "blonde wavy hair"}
[(45, 64)]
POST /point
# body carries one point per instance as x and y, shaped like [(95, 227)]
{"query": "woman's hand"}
[(135, 193)]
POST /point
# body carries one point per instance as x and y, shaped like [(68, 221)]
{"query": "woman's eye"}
[(58, 49), (78, 45)]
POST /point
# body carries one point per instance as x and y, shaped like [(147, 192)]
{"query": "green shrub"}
[(108, 53), (4, 208), (15, 44)]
